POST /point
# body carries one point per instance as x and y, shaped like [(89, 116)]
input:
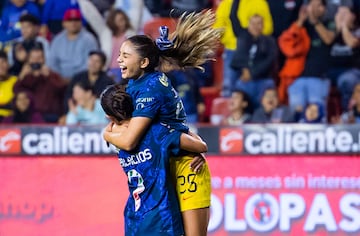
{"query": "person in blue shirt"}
[(152, 207), (53, 12), (155, 100), (10, 25)]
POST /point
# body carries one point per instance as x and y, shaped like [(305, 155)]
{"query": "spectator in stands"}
[(7, 83), (94, 74), (181, 6), (254, 59), (270, 111), (294, 44), (243, 10), (158, 8), (239, 109), (121, 29), (103, 6), (69, 49), (10, 27), (238, 13), (137, 11), (24, 110), (85, 107), (185, 83), (284, 13), (47, 86), (29, 26), (352, 115), (312, 85), (332, 7), (228, 40), (52, 16), (345, 54), (314, 114)]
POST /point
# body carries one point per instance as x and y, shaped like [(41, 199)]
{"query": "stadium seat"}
[(211, 92), (219, 109)]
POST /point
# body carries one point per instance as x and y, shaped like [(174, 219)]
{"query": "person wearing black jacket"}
[(255, 56), (94, 74)]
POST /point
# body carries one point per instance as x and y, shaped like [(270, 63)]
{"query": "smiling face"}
[(132, 65)]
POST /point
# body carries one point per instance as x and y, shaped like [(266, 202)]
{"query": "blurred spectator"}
[(254, 59), (103, 5), (181, 6), (294, 43), (29, 26), (243, 10), (352, 115), (47, 87), (24, 110), (10, 27), (188, 90), (239, 109), (52, 16), (69, 49), (233, 17), (333, 5), (121, 29), (85, 107), (314, 114), (284, 13), (345, 54), (312, 86), (270, 111), (158, 8), (137, 12), (228, 40), (94, 75), (204, 78), (7, 83)]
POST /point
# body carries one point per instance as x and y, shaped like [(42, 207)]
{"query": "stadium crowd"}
[(280, 61)]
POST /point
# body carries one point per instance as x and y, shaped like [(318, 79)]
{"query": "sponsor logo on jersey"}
[(164, 80)]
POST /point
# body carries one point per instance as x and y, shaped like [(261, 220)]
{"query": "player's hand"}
[(197, 163)]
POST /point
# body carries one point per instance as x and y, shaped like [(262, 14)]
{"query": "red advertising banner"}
[(285, 196), (250, 196), (61, 196)]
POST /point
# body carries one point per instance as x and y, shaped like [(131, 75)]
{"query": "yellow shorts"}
[(193, 189)]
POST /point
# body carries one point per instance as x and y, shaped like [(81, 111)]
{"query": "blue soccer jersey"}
[(154, 97), (152, 207)]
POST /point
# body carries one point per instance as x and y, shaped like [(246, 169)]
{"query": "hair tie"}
[(163, 42)]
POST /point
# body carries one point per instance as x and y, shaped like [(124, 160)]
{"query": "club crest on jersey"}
[(164, 80)]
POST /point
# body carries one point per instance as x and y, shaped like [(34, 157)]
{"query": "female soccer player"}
[(152, 208), (155, 100)]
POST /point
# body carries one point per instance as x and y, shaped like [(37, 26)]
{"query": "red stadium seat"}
[(219, 109)]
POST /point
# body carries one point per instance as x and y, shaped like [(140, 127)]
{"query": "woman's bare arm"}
[(192, 143), (129, 139)]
